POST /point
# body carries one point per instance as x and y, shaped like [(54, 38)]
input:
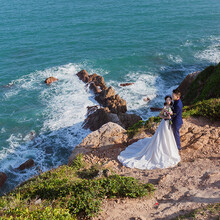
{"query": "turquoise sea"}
[(152, 43)]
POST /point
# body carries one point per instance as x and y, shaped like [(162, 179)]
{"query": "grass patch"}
[(68, 193)]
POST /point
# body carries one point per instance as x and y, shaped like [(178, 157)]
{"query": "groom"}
[(177, 116)]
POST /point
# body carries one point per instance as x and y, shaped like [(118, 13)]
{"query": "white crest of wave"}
[(66, 99), (176, 59), (145, 86), (212, 51), (63, 110)]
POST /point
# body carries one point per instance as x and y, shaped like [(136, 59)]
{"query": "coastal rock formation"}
[(127, 120), (99, 117), (29, 163), (110, 135), (113, 106), (103, 115), (83, 75), (50, 80), (3, 178), (186, 83)]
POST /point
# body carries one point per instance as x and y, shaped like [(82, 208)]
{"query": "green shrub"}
[(207, 108)]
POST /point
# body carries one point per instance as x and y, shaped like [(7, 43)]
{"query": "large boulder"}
[(128, 120), (50, 80), (3, 178), (100, 117), (108, 136), (98, 80), (94, 88), (29, 163)]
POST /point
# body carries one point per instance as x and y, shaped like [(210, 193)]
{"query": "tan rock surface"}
[(110, 135)]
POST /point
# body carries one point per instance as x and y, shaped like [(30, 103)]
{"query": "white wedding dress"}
[(159, 151)]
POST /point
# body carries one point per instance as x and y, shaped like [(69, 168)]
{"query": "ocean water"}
[(153, 44)]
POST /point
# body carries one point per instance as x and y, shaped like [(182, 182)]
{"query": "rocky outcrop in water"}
[(50, 80), (28, 164), (113, 107), (126, 84), (3, 178)]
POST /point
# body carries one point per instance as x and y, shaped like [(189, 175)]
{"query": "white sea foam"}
[(64, 110), (176, 59), (212, 52), (145, 85)]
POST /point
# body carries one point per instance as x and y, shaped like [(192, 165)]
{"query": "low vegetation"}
[(68, 193), (206, 108), (209, 212)]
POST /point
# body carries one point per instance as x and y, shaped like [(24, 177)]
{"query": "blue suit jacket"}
[(177, 113)]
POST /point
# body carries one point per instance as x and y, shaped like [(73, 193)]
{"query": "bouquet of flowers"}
[(167, 112)]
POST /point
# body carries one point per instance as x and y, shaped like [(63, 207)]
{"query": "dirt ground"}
[(193, 183)]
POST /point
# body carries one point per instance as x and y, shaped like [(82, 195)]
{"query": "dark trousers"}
[(176, 132)]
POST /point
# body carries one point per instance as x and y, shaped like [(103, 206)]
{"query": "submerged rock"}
[(3, 178), (29, 163)]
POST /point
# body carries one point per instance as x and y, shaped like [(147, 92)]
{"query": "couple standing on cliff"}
[(161, 150)]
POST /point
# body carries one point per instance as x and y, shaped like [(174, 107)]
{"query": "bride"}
[(159, 151)]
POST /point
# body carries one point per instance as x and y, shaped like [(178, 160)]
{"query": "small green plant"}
[(149, 123), (146, 125), (78, 162)]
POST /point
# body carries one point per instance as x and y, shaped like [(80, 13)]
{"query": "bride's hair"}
[(168, 96)]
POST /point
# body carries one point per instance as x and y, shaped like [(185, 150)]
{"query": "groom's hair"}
[(177, 92)]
